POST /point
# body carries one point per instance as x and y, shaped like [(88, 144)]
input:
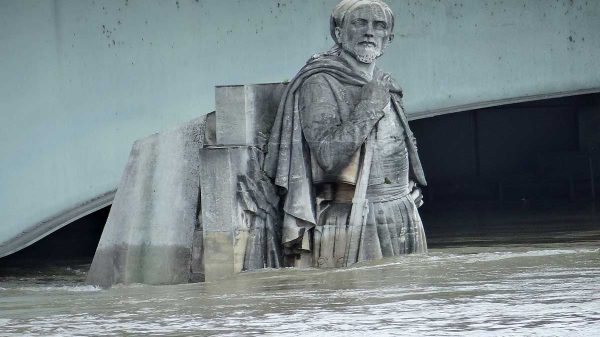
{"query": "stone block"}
[(219, 262), (245, 113), (153, 223), (225, 231), (210, 129)]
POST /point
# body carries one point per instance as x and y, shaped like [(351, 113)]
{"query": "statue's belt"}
[(344, 193)]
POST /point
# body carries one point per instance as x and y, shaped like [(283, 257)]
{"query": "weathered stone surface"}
[(210, 129), (219, 215), (260, 210), (153, 226), (238, 234), (245, 113), (197, 264)]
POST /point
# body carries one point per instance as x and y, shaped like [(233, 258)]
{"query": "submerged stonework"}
[(153, 233), (322, 171)]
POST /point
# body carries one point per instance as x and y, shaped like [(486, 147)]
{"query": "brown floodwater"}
[(544, 289)]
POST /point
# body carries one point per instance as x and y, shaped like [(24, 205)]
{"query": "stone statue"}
[(342, 150), (334, 183)]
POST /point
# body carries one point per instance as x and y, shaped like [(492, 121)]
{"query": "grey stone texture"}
[(239, 212), (240, 208), (187, 210), (245, 113), (153, 233)]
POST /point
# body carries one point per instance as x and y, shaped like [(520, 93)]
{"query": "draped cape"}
[(288, 158)]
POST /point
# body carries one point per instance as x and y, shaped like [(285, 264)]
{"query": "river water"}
[(498, 290)]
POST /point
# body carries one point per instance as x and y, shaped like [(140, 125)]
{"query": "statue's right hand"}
[(377, 91)]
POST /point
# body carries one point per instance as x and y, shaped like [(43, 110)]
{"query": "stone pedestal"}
[(224, 238), (187, 212), (230, 227), (244, 117), (152, 234)]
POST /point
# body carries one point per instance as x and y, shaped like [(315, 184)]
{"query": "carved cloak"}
[(288, 158)]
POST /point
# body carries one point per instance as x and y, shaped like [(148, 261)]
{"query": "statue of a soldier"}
[(342, 150)]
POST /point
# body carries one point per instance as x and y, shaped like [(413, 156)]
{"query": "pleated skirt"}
[(393, 228)]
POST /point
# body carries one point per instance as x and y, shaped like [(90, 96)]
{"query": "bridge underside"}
[(524, 172)]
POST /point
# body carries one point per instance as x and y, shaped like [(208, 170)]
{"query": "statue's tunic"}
[(335, 123)]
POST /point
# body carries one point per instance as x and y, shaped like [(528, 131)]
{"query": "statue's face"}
[(365, 33)]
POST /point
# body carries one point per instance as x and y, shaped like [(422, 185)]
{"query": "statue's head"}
[(362, 28)]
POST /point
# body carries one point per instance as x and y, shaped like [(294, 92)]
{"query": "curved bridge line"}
[(498, 102), (54, 223)]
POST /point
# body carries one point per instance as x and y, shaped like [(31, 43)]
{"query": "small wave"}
[(75, 289), (492, 256), (132, 285), (384, 263)]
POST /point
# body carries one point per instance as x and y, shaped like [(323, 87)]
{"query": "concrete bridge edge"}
[(54, 223)]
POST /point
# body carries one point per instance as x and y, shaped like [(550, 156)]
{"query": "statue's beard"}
[(367, 54)]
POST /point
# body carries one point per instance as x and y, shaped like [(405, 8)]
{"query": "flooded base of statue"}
[(508, 289)]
